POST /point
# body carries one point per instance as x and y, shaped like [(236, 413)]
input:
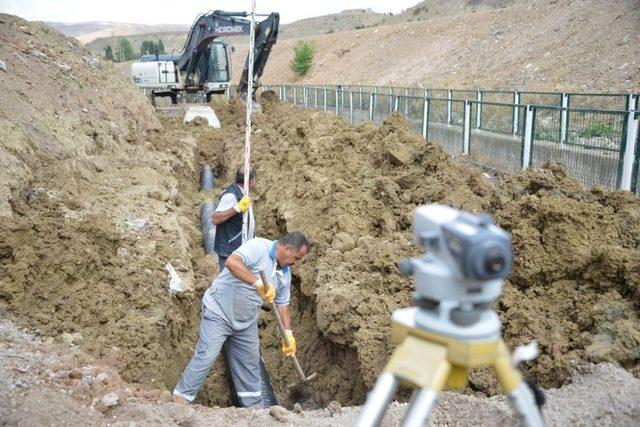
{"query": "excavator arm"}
[(265, 37), (209, 26)]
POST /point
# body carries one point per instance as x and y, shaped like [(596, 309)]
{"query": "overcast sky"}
[(183, 11)]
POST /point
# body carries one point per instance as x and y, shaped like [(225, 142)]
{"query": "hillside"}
[(542, 45), (434, 8), (97, 37)]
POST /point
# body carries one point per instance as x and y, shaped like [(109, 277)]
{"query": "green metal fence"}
[(495, 145), (597, 146), (438, 128), (592, 154)]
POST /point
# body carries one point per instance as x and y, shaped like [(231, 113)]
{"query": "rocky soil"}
[(42, 383)]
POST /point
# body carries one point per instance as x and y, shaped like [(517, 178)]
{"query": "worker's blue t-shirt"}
[(238, 302)]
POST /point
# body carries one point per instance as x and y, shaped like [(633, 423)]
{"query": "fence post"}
[(528, 136), (228, 92), (337, 103), (396, 104), (425, 117), (516, 112), (324, 91), (360, 97), (371, 101), (351, 105), (467, 127), (406, 102), (628, 162), (449, 106), (284, 93), (564, 122), (304, 96), (295, 95), (315, 98), (479, 110)]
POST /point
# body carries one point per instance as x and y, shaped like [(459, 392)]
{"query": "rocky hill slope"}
[(538, 45)]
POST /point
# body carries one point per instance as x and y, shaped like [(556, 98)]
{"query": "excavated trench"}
[(575, 287)]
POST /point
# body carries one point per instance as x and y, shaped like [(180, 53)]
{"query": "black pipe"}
[(207, 179), (206, 223)]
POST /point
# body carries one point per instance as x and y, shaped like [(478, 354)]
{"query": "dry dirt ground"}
[(547, 45), (46, 384), (100, 194)]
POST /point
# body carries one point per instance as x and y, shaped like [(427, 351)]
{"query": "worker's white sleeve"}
[(284, 291), (227, 202)]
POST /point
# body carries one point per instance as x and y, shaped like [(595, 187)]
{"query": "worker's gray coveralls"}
[(229, 313)]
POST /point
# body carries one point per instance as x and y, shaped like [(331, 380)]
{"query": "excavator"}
[(204, 65)]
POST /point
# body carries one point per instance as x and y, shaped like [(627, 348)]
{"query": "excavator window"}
[(218, 64)]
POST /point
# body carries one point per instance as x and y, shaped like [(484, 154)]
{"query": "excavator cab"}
[(214, 69)]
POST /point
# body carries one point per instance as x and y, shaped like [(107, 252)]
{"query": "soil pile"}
[(574, 286), (98, 200)]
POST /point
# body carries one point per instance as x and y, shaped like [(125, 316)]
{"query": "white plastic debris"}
[(204, 112), (175, 281), (524, 353), (3, 66), (136, 224)]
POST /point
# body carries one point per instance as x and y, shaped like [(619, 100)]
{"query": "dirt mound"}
[(99, 199), (574, 286)]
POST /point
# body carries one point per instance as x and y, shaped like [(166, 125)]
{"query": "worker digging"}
[(230, 314)]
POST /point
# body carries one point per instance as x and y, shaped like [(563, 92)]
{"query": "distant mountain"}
[(89, 31), (346, 20)]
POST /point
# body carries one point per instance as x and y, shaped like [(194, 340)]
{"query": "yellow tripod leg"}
[(520, 396), (424, 365)]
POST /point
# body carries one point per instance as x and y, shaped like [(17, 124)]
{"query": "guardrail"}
[(598, 146)]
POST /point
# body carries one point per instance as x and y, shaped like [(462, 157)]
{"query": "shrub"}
[(302, 57), (597, 130)]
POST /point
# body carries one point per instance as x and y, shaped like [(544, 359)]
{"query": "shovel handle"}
[(281, 328)]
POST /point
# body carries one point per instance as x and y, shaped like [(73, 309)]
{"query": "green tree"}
[(147, 47), (108, 53), (160, 46), (302, 57), (125, 50)]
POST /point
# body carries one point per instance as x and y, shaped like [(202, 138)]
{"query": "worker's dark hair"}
[(296, 240), (240, 175)]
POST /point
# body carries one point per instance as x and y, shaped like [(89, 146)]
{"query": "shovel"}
[(303, 378)]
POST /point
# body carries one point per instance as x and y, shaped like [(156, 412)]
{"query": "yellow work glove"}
[(243, 204), (269, 295), (291, 349)]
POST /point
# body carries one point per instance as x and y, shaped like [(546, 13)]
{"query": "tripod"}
[(430, 358)]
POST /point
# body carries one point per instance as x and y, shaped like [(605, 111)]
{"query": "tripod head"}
[(461, 275)]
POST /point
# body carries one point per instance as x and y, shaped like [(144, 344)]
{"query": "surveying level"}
[(452, 328)]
